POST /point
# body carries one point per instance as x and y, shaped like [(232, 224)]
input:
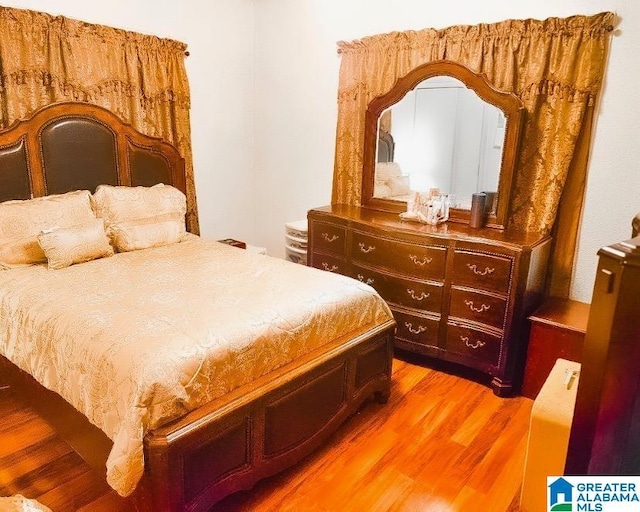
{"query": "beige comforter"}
[(139, 338)]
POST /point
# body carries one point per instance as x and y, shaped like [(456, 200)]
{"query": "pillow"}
[(21, 221), (145, 233), (21, 253), (381, 190), (66, 246), (121, 204), (387, 170), (399, 186)]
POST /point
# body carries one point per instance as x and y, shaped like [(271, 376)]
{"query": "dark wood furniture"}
[(77, 146), (458, 294), (558, 327), (234, 243), (510, 105), (605, 433), (232, 442)]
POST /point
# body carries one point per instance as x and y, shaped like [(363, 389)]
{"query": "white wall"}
[(296, 84), (264, 78), (219, 35)]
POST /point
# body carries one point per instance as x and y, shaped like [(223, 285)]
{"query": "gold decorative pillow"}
[(122, 204), (66, 246), (146, 233), (20, 253), (21, 221)]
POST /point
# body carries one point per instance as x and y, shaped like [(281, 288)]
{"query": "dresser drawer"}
[(328, 263), (472, 343), (482, 271), (425, 262), (416, 328), (402, 291), (477, 306), (328, 238)]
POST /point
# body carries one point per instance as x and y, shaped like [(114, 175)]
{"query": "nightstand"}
[(243, 245), (558, 327), (234, 243)]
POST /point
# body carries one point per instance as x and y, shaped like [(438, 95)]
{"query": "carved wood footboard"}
[(233, 442)]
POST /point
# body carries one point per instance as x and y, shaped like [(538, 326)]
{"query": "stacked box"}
[(296, 241)]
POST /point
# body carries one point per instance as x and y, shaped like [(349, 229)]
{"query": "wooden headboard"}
[(78, 146)]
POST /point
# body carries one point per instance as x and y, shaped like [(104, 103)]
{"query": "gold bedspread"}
[(139, 338)]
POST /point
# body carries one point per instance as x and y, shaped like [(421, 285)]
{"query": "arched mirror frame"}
[(508, 103)]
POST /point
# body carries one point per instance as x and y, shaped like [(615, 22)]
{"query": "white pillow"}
[(387, 170)]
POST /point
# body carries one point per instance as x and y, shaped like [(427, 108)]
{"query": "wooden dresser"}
[(458, 294)]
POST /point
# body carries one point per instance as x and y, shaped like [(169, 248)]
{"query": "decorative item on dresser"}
[(458, 294)]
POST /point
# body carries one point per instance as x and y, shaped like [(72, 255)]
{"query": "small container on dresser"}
[(458, 294), (296, 241)]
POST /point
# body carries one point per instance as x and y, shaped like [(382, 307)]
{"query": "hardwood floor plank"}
[(75, 493), (384, 490), (486, 407), (507, 485), (441, 443), (510, 426), (52, 474), (24, 434), (109, 502), (31, 459)]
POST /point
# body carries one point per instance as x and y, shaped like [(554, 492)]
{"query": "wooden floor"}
[(441, 443)]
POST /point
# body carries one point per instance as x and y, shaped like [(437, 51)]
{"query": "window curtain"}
[(141, 78), (555, 66)]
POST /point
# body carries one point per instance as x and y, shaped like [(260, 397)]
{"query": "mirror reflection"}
[(440, 137)]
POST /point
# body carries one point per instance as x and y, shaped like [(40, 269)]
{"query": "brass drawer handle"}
[(369, 280), (483, 307), (325, 266), (366, 249), (422, 262), (329, 238), (470, 344), (474, 269), (422, 295), (409, 326)]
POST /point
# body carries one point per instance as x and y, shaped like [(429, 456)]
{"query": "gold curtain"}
[(141, 78), (554, 66)]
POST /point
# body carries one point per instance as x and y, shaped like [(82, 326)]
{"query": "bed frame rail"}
[(233, 442)]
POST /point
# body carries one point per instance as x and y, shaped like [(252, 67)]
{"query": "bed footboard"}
[(226, 447), (233, 442)]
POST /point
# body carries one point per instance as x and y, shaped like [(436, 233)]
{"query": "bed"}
[(185, 369)]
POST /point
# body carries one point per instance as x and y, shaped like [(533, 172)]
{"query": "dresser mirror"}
[(442, 127)]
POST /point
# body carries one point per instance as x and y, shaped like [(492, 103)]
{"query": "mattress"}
[(140, 338)]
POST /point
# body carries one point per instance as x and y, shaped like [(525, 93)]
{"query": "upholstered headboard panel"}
[(74, 146)]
